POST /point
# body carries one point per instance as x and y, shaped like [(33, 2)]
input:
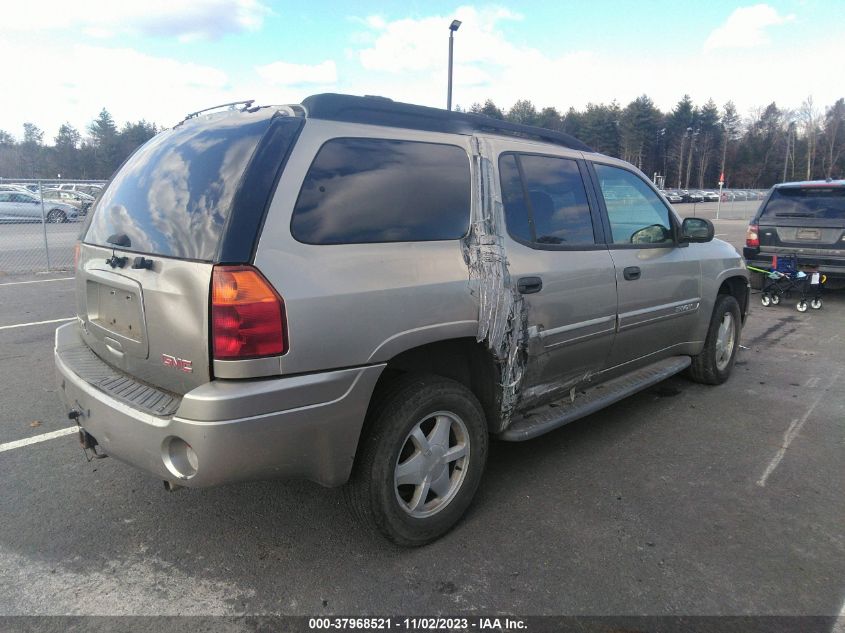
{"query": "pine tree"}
[(523, 111), (106, 142)]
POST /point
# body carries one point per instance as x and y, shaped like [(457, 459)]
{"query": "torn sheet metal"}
[(502, 321)]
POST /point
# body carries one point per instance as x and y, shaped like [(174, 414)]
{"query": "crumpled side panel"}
[(502, 321)]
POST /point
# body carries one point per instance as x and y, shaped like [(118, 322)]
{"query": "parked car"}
[(17, 206), (806, 219), (369, 292), (710, 196), (80, 201), (7, 187), (673, 196), (88, 189), (689, 195)]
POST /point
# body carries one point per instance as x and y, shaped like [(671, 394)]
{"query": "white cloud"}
[(420, 44), (184, 19), (746, 28), (407, 61), (285, 74), (84, 79)]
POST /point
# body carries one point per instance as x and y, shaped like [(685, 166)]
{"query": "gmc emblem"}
[(178, 363)]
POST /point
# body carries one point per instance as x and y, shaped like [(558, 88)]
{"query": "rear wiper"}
[(119, 239), (795, 215)]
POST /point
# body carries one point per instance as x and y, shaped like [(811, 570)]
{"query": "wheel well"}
[(464, 360), (738, 288)]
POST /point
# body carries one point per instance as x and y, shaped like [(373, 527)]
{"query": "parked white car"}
[(17, 206)]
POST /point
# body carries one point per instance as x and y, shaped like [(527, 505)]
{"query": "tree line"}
[(690, 146), (93, 157)]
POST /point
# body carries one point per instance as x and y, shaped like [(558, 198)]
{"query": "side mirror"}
[(697, 230)]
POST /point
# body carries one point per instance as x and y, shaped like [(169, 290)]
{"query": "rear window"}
[(173, 196), (806, 202), (362, 190)]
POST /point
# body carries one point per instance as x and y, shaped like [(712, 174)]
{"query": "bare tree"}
[(809, 116), (834, 123)]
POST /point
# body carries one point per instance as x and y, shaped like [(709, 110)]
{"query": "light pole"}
[(454, 26)]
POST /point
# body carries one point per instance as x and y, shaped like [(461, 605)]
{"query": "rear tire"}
[(766, 300), (413, 434), (816, 304), (801, 306), (714, 364)]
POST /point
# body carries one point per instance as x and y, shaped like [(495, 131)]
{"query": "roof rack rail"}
[(246, 103), (383, 111)]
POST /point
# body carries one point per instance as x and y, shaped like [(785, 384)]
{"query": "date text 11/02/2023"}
[(418, 624)]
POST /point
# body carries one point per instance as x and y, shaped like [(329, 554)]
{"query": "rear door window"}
[(362, 190), (545, 200)]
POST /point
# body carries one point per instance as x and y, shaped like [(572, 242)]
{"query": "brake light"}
[(752, 237), (247, 315)]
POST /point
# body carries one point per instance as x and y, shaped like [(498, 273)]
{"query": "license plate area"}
[(115, 317), (808, 234), (116, 310)]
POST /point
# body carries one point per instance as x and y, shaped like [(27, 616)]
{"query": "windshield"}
[(806, 202), (172, 197)]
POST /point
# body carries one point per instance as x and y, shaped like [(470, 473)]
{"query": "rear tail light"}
[(247, 315), (752, 237)]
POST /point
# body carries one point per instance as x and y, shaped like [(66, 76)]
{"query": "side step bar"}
[(555, 414)]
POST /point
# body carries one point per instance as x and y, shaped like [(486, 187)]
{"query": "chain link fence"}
[(40, 222)]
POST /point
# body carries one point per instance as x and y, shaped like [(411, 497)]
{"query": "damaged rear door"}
[(561, 267)]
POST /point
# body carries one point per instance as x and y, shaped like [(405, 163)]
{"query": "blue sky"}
[(159, 59)]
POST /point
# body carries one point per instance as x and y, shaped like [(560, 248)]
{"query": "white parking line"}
[(37, 281), (792, 432), (839, 626), (38, 438), (9, 327)]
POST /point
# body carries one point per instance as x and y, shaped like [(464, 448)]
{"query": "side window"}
[(636, 213), (361, 190), (545, 200), (5, 197)]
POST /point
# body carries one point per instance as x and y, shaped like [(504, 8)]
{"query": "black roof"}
[(386, 112)]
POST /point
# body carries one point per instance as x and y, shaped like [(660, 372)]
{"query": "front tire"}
[(420, 459), (56, 216), (714, 364)]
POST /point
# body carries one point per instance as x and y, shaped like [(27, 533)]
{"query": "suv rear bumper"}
[(301, 427), (832, 266)]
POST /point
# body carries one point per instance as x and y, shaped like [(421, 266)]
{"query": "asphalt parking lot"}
[(684, 499)]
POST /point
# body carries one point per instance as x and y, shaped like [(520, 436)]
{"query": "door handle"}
[(631, 273), (529, 285)]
